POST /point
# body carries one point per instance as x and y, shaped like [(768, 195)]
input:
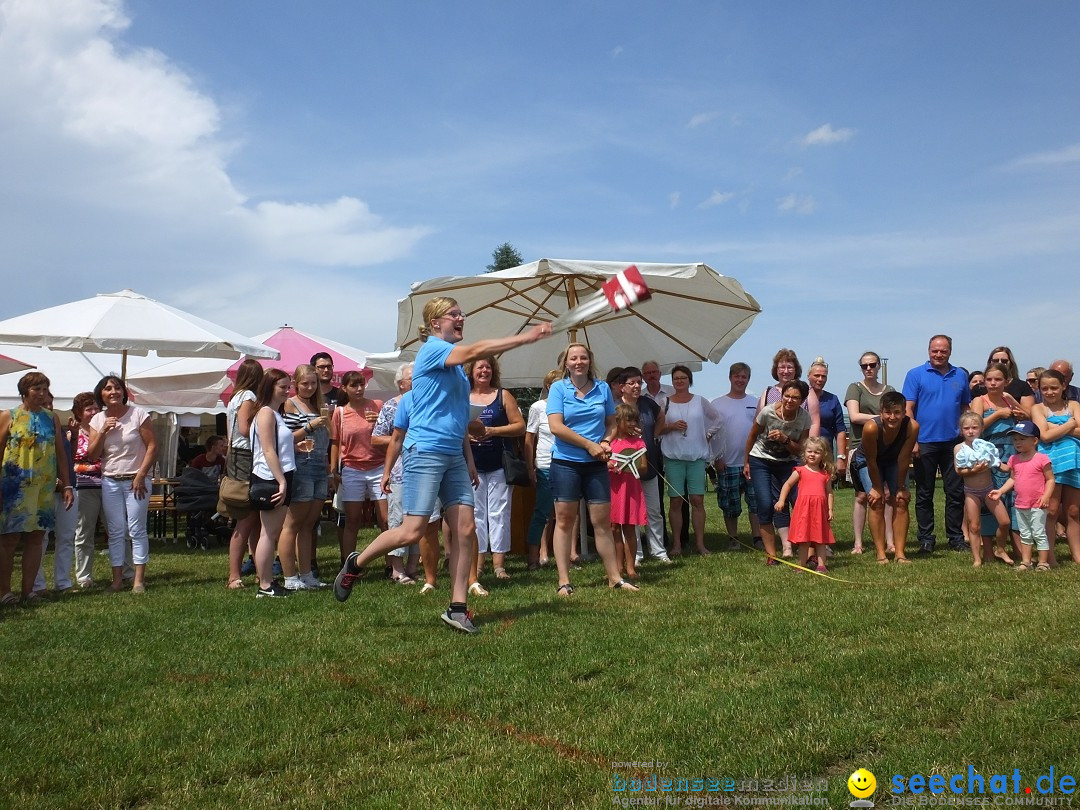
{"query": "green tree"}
[(504, 257)]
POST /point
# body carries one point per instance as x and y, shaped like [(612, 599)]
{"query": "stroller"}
[(197, 495)]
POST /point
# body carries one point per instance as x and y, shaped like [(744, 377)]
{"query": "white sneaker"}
[(311, 582), (294, 584)]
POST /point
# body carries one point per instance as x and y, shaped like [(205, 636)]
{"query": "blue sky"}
[(872, 173)]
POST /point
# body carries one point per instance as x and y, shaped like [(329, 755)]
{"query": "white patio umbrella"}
[(127, 323), (695, 314)]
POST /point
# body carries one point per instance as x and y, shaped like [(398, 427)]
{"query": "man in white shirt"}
[(650, 373), (737, 410)]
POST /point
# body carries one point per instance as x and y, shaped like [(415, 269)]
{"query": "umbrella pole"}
[(123, 366), (571, 302)]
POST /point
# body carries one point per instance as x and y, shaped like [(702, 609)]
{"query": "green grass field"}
[(721, 668)]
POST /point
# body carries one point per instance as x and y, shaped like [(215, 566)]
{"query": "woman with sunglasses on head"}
[(437, 458), (122, 436), (863, 401), (1017, 387)]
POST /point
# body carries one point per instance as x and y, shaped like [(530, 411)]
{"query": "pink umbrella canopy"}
[(10, 364), (297, 347)]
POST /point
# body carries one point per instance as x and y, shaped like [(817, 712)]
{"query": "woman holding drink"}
[(361, 467), (311, 433)]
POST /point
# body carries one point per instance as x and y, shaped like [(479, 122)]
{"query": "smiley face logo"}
[(861, 783)]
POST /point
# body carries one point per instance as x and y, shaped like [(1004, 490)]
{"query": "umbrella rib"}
[(631, 311)]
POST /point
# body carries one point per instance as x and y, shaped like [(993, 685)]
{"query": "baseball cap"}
[(1025, 427)]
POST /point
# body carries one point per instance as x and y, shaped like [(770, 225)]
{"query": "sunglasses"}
[(868, 365), (1032, 380)]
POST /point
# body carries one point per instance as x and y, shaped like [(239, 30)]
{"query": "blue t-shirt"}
[(587, 417), (939, 400), (440, 401), (831, 414)]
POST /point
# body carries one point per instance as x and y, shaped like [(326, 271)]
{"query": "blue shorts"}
[(890, 471), (429, 476), (574, 480), (310, 482)]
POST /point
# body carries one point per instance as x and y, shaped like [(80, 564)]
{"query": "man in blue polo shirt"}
[(937, 393)]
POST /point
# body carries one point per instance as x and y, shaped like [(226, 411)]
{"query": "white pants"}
[(89, 505), (394, 517), (492, 512), (125, 514), (66, 519), (653, 532)]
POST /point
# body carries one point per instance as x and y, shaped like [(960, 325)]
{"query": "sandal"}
[(1042, 567), (565, 590), (856, 550), (428, 588), (404, 579), (885, 561), (476, 589), (235, 585), (902, 560), (9, 599), (622, 584), (1024, 567), (500, 573)]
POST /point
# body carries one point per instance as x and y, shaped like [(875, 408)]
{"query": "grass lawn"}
[(194, 696)]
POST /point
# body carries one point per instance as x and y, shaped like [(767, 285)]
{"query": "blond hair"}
[(561, 362), (825, 449), (433, 309)]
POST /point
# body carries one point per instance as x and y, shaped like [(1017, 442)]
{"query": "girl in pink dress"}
[(811, 517), (625, 466)]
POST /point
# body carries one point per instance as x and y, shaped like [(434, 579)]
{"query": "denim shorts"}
[(890, 470), (574, 480), (429, 476), (361, 485), (310, 482)]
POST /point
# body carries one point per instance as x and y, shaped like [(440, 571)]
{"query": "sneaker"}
[(312, 582), (461, 621), (275, 591), (248, 568), (733, 544), (343, 582), (294, 584), (759, 544), (277, 567)]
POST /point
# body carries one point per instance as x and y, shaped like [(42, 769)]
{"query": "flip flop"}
[(622, 584), (500, 573), (565, 590), (404, 579)]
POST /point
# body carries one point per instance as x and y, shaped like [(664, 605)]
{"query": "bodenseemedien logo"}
[(862, 785)]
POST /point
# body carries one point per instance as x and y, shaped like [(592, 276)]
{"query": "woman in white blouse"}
[(689, 422), (122, 436)]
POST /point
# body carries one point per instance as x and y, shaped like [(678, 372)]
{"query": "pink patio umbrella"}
[(297, 347), (10, 364)]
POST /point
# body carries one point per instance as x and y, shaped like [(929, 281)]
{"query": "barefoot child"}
[(1031, 477), (813, 508), (973, 459), (625, 467)]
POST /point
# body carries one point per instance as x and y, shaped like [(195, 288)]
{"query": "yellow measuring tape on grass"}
[(780, 560)]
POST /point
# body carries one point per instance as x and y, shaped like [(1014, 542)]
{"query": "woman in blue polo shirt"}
[(435, 452), (581, 415)]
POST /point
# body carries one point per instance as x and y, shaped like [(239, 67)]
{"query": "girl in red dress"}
[(625, 466), (810, 519)]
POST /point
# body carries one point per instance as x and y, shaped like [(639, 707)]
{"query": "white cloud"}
[(673, 199), (117, 148), (825, 135), (796, 203), (616, 51), (1054, 157), (701, 118), (717, 198)]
